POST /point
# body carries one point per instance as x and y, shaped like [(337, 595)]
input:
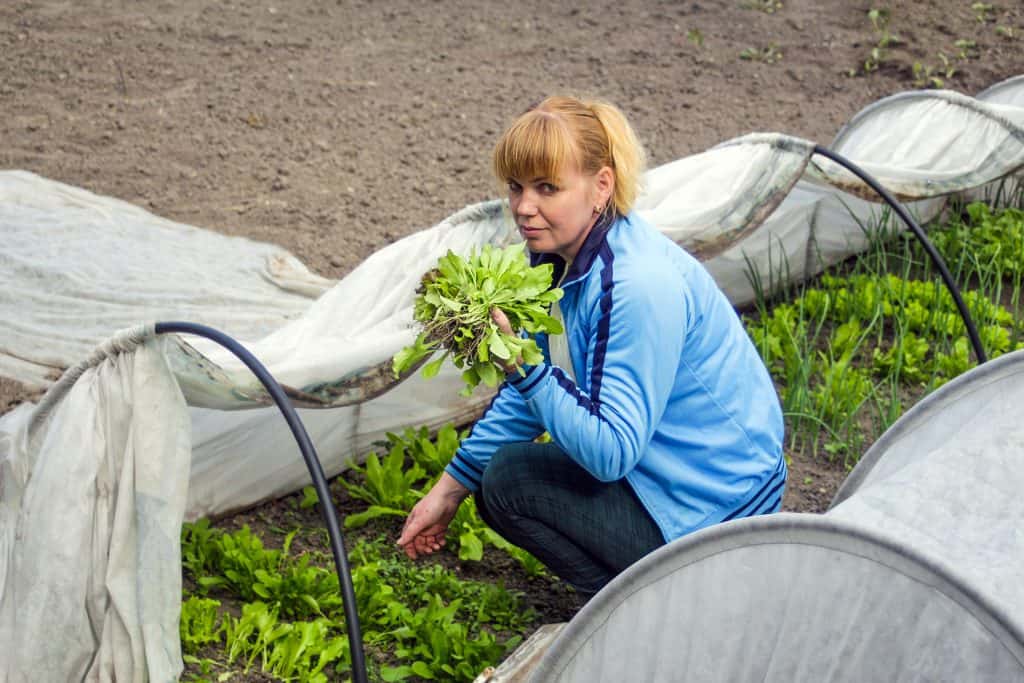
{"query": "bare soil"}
[(335, 128)]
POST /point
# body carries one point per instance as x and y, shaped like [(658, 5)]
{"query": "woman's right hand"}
[(428, 521), (501, 320)]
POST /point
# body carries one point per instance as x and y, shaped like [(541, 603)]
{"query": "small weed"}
[(924, 76), (966, 49), (884, 39), (200, 625), (768, 55), (982, 12), (695, 36), (934, 76), (1006, 32), (948, 68), (766, 6), (309, 498)]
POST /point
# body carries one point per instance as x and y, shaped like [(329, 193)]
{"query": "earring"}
[(598, 209)]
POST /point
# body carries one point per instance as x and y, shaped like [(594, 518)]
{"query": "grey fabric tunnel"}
[(914, 573)]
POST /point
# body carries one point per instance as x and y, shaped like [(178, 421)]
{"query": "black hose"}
[(316, 471), (972, 331)]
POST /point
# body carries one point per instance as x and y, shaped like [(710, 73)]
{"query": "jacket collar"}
[(584, 258)]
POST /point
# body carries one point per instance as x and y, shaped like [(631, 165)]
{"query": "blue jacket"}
[(670, 393)]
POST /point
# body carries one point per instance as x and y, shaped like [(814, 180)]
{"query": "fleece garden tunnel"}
[(319, 480)]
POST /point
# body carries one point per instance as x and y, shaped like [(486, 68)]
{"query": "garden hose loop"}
[(316, 472)]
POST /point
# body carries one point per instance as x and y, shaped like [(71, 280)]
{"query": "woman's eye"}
[(548, 188), (514, 187)]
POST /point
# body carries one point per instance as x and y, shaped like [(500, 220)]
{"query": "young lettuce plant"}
[(454, 310)]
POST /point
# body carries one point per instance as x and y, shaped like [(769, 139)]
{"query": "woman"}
[(662, 417)]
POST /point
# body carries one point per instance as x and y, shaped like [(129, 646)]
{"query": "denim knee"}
[(499, 474)]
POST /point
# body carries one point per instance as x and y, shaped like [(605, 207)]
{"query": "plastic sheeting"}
[(914, 574)]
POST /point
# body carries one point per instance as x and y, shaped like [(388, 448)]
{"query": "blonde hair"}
[(565, 130)]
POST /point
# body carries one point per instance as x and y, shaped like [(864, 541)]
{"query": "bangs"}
[(538, 145)]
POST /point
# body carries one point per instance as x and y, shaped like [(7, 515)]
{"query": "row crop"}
[(849, 351), (852, 349)]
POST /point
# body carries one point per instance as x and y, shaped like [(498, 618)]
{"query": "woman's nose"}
[(526, 205)]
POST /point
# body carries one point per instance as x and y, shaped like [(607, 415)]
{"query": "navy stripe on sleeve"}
[(467, 462), (533, 382), (769, 493), (573, 390), (526, 384), (604, 324), (458, 464)]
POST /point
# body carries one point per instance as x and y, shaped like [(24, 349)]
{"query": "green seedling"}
[(925, 76), (768, 55), (965, 49), (430, 454), (309, 498), (884, 39), (387, 483), (454, 309), (766, 6), (200, 624)]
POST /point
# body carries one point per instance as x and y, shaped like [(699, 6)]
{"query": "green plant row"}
[(391, 485), (426, 622), (850, 351), (420, 621)]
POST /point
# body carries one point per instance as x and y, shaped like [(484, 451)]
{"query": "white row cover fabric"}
[(914, 574), (76, 267), (92, 495)]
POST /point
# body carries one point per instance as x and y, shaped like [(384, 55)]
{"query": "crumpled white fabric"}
[(93, 496)]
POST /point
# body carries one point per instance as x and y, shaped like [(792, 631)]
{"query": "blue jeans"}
[(585, 531)]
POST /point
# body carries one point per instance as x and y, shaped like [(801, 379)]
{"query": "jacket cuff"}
[(529, 384), (465, 471)]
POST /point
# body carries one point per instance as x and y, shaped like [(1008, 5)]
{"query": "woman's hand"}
[(501, 320), (428, 521)]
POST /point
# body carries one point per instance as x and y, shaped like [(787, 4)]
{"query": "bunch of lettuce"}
[(453, 307)]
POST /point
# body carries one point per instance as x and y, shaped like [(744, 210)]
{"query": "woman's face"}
[(555, 215)]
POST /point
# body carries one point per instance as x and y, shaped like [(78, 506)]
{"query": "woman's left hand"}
[(428, 520)]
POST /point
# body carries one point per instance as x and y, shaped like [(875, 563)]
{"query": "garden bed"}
[(335, 129), (850, 352)]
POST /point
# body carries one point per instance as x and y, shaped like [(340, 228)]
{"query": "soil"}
[(333, 129)]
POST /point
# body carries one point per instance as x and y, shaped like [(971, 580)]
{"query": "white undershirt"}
[(558, 344)]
